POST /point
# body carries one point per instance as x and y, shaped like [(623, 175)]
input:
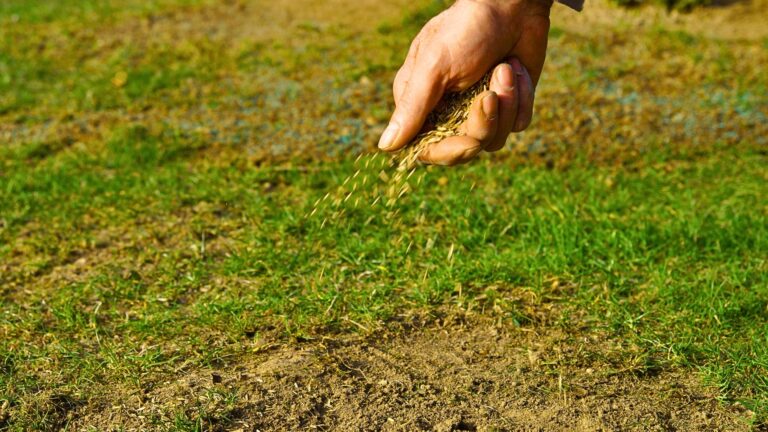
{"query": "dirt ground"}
[(458, 373)]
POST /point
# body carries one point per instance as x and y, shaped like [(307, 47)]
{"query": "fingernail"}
[(489, 105), (517, 66), (505, 76), (389, 136)]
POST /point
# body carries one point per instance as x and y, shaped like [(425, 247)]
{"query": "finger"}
[(420, 94), (400, 81), (451, 151), (401, 78), (503, 83), (483, 118), (525, 96), (531, 52), (531, 49)]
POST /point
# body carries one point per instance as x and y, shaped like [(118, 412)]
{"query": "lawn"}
[(159, 162)]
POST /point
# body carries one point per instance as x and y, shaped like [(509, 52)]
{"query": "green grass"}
[(671, 261), (127, 251), (44, 11)]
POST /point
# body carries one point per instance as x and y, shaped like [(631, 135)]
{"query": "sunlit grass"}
[(141, 228)]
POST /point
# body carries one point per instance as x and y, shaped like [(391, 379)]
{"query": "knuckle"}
[(432, 62), (396, 87), (482, 134), (401, 75)]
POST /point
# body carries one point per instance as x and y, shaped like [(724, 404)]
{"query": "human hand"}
[(452, 52)]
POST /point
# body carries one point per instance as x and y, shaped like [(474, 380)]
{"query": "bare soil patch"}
[(456, 375)]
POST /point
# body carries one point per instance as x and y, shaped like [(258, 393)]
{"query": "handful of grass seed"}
[(446, 118)]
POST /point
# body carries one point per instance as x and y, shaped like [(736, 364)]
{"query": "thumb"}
[(419, 96)]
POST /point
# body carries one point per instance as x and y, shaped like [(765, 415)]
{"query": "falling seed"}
[(396, 172)]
